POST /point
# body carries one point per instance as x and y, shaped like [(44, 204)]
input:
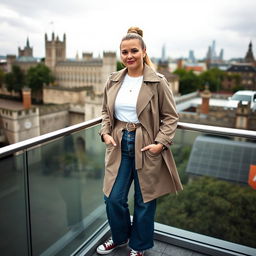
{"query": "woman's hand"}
[(108, 139), (154, 148)]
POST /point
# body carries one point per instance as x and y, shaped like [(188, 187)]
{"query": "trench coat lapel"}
[(116, 80), (146, 91)]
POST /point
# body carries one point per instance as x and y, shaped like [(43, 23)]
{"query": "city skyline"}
[(98, 26)]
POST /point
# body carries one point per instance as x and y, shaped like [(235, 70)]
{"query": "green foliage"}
[(212, 207), (38, 76), (119, 65), (213, 78), (189, 82), (1, 77), (15, 80), (238, 88)]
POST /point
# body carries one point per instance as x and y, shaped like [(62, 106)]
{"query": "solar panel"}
[(222, 158)]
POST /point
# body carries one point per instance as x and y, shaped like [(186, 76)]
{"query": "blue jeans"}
[(140, 232)]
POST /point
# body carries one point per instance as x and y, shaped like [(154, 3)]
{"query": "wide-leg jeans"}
[(140, 231)]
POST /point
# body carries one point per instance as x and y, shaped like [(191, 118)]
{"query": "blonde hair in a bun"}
[(137, 33), (135, 30)]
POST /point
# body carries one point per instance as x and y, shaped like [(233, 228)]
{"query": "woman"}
[(139, 122)]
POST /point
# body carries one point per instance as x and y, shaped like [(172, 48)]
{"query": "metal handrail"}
[(7, 150)]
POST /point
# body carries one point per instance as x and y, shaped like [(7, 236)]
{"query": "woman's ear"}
[(144, 52)]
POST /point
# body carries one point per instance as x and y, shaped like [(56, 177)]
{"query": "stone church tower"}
[(55, 50), (27, 51)]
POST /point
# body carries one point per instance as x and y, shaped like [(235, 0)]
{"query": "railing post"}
[(27, 202)]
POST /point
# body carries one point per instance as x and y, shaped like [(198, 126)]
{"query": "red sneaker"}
[(136, 253), (108, 247)]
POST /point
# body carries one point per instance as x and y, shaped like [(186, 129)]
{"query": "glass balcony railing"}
[(52, 202), (217, 200)]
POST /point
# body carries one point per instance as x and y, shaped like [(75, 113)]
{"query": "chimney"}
[(180, 63), (26, 96), (206, 95), (242, 115)]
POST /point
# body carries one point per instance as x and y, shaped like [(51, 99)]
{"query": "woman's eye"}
[(134, 50), (124, 52)]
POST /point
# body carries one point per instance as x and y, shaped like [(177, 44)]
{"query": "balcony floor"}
[(160, 249)]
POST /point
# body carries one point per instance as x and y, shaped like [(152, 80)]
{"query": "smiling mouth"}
[(130, 62)]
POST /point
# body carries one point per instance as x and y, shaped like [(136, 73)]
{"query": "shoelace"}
[(135, 253), (108, 243)]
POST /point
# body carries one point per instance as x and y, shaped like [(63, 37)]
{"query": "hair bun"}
[(135, 30)]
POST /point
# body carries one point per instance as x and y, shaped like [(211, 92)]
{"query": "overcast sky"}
[(98, 25)]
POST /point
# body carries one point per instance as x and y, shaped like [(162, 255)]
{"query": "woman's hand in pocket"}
[(154, 148), (108, 139)]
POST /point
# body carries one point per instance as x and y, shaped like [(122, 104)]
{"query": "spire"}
[(27, 43), (249, 55)]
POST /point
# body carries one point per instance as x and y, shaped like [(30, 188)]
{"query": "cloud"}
[(99, 25), (240, 19)]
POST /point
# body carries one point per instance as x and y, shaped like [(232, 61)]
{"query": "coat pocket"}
[(151, 154)]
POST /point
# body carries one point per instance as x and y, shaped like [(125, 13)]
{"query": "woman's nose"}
[(129, 55)]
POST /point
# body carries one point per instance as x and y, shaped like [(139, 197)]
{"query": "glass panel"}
[(67, 204), (217, 200), (13, 230)]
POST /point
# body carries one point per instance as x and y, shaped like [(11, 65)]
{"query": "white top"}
[(126, 99)]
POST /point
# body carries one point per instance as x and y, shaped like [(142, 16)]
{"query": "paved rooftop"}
[(160, 249), (11, 104)]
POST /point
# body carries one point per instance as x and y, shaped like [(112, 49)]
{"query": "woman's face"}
[(132, 54)]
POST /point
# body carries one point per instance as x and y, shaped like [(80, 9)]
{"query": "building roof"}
[(168, 75), (242, 68), (27, 59), (222, 158), (194, 68)]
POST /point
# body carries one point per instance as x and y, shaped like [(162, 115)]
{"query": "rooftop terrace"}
[(52, 203)]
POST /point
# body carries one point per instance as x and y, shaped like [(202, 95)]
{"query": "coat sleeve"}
[(105, 124), (167, 113)]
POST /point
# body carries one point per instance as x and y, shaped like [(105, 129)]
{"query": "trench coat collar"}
[(149, 75)]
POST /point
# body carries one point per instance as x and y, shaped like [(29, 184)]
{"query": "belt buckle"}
[(133, 128)]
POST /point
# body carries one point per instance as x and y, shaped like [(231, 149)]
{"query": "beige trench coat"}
[(158, 117)]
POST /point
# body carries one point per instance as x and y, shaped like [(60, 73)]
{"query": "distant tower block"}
[(206, 95), (163, 57), (221, 57), (55, 51)]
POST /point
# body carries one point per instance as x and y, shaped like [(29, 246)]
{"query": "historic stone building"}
[(242, 117), (77, 73), (242, 74), (173, 80), (75, 96), (25, 59)]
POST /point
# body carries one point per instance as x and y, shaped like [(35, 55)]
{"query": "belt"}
[(128, 126)]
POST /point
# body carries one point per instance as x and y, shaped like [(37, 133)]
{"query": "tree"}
[(189, 82), (212, 207), (1, 78), (213, 78), (119, 65), (38, 76), (15, 80)]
